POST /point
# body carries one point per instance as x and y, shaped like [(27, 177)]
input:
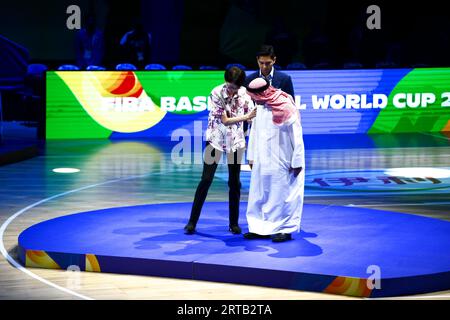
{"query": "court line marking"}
[(18, 213)]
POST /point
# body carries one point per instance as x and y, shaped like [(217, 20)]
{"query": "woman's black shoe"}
[(235, 229), (189, 228)]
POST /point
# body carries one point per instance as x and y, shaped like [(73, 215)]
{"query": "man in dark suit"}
[(266, 59)]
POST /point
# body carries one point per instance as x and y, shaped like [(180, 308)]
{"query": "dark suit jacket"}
[(280, 80)]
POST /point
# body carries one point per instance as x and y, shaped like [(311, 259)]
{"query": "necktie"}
[(268, 78)]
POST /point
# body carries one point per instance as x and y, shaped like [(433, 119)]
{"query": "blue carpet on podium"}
[(341, 250)]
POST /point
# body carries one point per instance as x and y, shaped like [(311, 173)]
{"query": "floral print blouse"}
[(227, 138)]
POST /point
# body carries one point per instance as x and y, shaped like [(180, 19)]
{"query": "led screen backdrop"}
[(119, 104)]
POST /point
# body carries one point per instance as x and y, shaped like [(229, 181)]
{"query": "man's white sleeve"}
[(296, 137), (252, 142)]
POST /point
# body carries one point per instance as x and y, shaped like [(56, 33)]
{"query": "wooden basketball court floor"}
[(127, 173)]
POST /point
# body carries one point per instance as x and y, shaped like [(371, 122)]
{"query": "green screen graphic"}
[(146, 104), (420, 102), (96, 104)]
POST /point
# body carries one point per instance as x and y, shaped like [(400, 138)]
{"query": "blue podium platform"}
[(339, 249)]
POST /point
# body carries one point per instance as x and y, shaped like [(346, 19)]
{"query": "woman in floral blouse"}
[(229, 106)]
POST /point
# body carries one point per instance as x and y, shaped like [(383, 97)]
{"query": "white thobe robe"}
[(275, 200)]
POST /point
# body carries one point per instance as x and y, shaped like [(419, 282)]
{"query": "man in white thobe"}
[(276, 154)]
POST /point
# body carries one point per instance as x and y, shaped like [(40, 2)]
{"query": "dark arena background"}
[(104, 108)]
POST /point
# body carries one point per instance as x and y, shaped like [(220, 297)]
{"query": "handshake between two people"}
[(229, 121)]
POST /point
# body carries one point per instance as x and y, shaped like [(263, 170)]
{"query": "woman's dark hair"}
[(235, 75)]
